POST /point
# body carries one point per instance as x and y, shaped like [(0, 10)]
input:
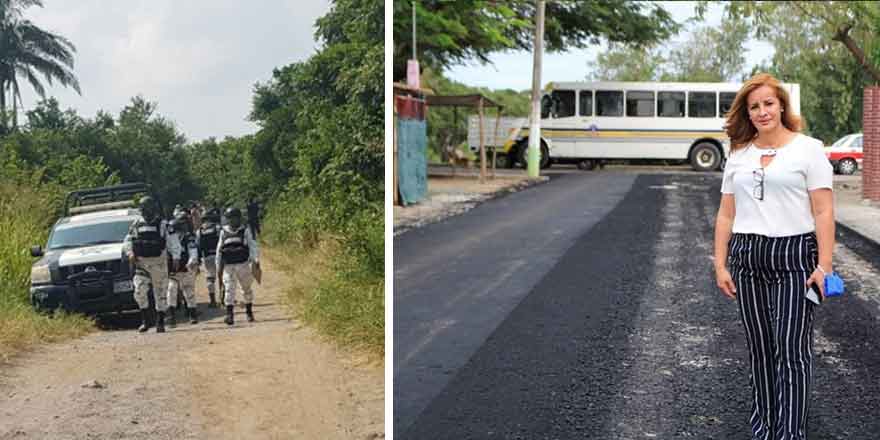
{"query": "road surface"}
[(586, 308)]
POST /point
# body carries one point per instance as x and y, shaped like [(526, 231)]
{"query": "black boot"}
[(172, 317), (145, 316), (248, 309), (213, 303), (193, 319), (160, 322), (229, 319)]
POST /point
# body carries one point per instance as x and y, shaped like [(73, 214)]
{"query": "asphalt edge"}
[(860, 244), (470, 204)]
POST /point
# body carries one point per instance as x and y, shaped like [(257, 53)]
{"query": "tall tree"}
[(830, 48), (853, 24), (321, 119), (452, 32), (710, 54), (27, 51), (627, 63)]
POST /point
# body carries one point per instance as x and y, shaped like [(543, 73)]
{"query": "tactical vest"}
[(209, 233), (185, 241), (235, 248), (148, 241)]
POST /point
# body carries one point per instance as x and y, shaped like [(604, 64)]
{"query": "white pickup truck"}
[(82, 268)]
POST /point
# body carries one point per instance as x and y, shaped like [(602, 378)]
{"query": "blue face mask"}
[(833, 285)]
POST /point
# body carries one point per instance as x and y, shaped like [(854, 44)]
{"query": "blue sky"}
[(513, 69)]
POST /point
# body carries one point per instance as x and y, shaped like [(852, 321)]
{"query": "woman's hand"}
[(818, 279), (725, 282)]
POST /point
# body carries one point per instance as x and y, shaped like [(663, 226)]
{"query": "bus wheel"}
[(705, 157), (503, 161), (544, 160), (586, 165)]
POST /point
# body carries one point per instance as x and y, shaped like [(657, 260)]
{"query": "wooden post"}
[(495, 138), (482, 145), (454, 152), (394, 157)]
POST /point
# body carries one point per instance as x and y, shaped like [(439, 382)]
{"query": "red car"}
[(846, 154)]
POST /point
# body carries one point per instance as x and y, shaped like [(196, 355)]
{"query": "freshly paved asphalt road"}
[(586, 308)]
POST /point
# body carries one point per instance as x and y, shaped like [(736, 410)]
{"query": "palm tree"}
[(27, 51)]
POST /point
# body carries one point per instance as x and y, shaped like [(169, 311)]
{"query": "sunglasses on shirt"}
[(758, 180)]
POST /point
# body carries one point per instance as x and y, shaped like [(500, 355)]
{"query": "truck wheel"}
[(847, 166), (544, 160), (705, 157)]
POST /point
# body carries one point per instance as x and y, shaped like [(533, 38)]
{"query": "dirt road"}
[(271, 379)]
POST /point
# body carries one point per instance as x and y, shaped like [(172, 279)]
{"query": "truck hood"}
[(90, 254)]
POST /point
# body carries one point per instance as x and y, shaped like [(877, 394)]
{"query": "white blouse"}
[(798, 167)]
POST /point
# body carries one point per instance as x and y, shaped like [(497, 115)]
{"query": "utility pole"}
[(412, 65), (534, 157), (414, 29)]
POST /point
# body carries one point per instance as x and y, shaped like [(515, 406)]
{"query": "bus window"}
[(701, 104), (725, 101), (609, 103), (671, 104), (563, 101), (640, 103), (546, 105), (586, 103)]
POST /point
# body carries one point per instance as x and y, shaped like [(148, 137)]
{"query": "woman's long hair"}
[(739, 127)]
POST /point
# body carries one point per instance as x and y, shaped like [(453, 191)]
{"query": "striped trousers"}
[(770, 274)]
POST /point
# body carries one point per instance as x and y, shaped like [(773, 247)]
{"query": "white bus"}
[(590, 122)]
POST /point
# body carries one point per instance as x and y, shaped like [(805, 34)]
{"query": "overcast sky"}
[(514, 69), (198, 59)]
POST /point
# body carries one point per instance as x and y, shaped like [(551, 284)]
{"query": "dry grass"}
[(349, 311), (21, 328)]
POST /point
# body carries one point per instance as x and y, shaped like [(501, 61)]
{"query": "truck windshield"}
[(87, 235)]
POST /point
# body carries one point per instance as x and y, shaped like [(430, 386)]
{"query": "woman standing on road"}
[(775, 231)]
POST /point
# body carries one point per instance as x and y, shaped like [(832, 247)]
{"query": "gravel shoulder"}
[(269, 379), (452, 194)]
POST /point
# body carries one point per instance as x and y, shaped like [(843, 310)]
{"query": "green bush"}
[(24, 212), (347, 300)]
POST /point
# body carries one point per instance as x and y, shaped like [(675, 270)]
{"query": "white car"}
[(846, 154)]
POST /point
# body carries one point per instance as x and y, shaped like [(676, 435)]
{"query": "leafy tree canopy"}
[(710, 54), (453, 32)]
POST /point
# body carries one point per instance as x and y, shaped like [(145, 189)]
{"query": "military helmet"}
[(212, 214), (179, 223), (232, 212), (148, 207)]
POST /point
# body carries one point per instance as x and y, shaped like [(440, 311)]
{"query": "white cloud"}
[(198, 59)]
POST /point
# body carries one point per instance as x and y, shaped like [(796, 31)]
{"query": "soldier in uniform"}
[(207, 237), (238, 257), (146, 246), (183, 274)]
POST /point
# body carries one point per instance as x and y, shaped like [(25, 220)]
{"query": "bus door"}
[(562, 126)]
